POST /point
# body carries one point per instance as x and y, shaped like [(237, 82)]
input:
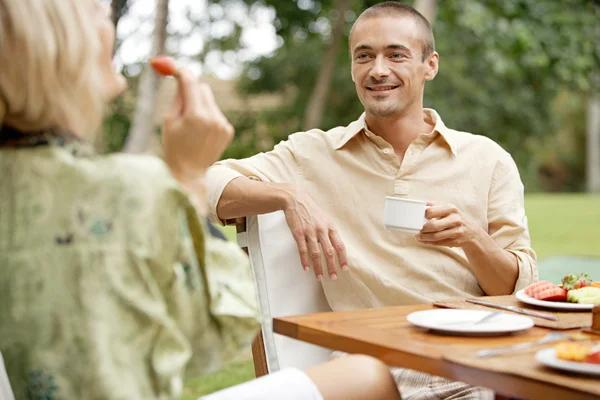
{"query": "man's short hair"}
[(398, 9)]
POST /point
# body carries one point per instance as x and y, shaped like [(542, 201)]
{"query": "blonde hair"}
[(50, 72)]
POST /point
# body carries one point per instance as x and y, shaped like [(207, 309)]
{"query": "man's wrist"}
[(476, 240), (284, 195)]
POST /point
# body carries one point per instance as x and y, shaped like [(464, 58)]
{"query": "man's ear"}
[(432, 66), (352, 75)]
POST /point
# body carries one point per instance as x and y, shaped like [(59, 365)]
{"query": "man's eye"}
[(362, 56), (398, 56)]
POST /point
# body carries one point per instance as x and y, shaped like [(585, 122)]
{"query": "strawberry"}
[(575, 281), (164, 65)]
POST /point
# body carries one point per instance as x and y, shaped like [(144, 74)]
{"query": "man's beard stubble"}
[(382, 110)]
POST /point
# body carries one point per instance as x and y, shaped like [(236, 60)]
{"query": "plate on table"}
[(558, 305), (549, 359), (462, 322)]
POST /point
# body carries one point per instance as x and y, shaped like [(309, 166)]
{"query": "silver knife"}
[(514, 309)]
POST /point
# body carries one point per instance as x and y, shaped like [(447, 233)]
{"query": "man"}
[(332, 187)]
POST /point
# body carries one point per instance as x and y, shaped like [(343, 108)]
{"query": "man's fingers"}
[(340, 249), (446, 234), (436, 225), (315, 255), (329, 252), (302, 248), (443, 243), (440, 211)]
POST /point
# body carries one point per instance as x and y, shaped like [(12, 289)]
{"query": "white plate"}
[(558, 305), (460, 322), (549, 359)]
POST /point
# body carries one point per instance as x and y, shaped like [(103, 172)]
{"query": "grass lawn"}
[(564, 224), (232, 374), (560, 224)]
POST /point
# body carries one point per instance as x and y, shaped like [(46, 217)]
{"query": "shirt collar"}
[(352, 130), (360, 125), (55, 136)]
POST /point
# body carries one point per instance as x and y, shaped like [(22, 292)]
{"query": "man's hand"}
[(314, 234), (495, 268), (447, 227)]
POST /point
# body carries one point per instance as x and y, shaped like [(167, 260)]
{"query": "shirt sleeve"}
[(208, 288), (278, 165), (230, 292), (507, 221)]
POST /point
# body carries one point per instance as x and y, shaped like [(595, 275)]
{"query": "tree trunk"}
[(593, 143), (316, 103), (118, 9), (143, 120), (427, 8)]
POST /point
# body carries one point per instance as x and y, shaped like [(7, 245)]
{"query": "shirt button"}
[(401, 188), (386, 151)]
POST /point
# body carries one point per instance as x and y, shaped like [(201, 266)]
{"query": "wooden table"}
[(385, 334)]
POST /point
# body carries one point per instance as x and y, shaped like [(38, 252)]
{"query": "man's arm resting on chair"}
[(243, 197), (309, 225)]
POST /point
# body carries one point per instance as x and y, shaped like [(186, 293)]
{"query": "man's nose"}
[(380, 68)]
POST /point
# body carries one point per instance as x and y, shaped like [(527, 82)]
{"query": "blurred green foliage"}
[(517, 71), (502, 64)]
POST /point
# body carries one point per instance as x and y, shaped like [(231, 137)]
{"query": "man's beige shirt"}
[(349, 171)]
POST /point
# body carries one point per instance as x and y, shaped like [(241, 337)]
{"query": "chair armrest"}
[(241, 228), (240, 223)]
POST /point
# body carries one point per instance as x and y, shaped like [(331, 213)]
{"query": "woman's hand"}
[(195, 132)]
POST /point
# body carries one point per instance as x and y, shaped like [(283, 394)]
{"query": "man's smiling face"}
[(387, 64)]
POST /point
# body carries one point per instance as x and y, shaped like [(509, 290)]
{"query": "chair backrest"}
[(6, 392), (284, 289)]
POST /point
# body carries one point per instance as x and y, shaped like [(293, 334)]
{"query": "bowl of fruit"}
[(576, 292)]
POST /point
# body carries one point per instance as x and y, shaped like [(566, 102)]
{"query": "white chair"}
[(6, 392), (284, 289)]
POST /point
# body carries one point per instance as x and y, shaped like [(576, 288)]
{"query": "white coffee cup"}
[(404, 215)]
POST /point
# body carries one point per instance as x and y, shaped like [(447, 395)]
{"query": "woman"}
[(110, 287)]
